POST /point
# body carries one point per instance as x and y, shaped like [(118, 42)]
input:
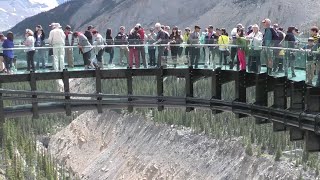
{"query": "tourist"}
[(310, 65), (233, 50), (69, 42), (162, 39), (204, 49), (141, 49), (175, 40), (290, 42), (223, 42), (8, 55), (255, 39), (57, 41), (134, 39), (88, 34), (242, 49), (269, 39), (85, 49), (98, 43), (314, 33), (29, 43), (122, 39), (186, 36), (166, 49), (151, 38), (194, 40), (109, 42), (211, 38), (39, 36), (278, 53), (181, 46), (2, 65)]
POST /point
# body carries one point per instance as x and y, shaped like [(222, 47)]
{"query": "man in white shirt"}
[(57, 40)]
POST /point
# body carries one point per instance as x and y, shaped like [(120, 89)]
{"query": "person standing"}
[(57, 40), (69, 42), (88, 33), (2, 65), (223, 41), (98, 43), (310, 64), (122, 39), (134, 39), (39, 42), (255, 38), (186, 36), (85, 48), (290, 42), (142, 52), (242, 49), (8, 55), (175, 40), (29, 43), (195, 49), (162, 39), (151, 38), (110, 42)]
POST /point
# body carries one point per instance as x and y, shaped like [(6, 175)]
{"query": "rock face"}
[(111, 146), (113, 13)]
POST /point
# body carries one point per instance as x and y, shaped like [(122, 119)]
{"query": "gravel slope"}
[(111, 146)]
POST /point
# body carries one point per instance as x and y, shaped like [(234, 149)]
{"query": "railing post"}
[(2, 117), (66, 88), (280, 100), (160, 87), (261, 94), (98, 89), (130, 88), (189, 87), (33, 85), (241, 90), (216, 87)]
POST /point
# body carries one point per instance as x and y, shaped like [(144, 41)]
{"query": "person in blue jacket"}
[(8, 55)]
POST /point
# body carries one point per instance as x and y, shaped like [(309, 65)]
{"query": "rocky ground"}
[(114, 146)]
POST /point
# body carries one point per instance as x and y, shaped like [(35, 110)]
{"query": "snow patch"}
[(49, 3), (1, 9)]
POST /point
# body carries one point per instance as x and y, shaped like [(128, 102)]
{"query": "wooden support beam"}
[(312, 142), (189, 86), (33, 85), (66, 87), (98, 89), (130, 87), (241, 90), (280, 100), (261, 95), (216, 87), (296, 134), (160, 86)]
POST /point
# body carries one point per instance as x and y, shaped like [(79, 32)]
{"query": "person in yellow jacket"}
[(223, 41)]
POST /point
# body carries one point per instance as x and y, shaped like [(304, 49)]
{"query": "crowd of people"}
[(244, 48)]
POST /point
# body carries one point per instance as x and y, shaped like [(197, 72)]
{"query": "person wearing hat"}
[(255, 39), (39, 37), (69, 41), (186, 36), (57, 40), (151, 38), (194, 40), (88, 33)]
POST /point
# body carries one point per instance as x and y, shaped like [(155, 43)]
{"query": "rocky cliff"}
[(112, 146)]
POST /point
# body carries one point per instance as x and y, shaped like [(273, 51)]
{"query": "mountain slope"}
[(14, 11), (113, 13)]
